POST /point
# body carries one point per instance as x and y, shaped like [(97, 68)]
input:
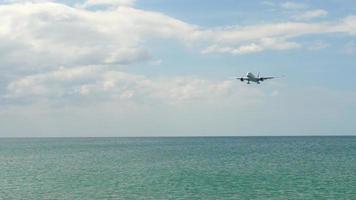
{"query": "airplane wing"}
[(266, 78), (242, 78)]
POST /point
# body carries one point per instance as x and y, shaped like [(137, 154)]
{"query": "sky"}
[(126, 68)]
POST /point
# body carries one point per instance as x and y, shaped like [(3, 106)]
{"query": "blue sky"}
[(164, 68)]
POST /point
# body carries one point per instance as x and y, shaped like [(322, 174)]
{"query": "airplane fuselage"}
[(251, 77)]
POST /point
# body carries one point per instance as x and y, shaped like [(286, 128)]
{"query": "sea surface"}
[(178, 168)]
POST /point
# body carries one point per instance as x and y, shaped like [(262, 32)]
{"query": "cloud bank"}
[(61, 60), (50, 33), (96, 83), (84, 48)]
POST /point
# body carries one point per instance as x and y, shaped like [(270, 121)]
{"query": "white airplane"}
[(251, 77)]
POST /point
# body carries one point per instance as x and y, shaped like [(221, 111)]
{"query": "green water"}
[(179, 168)]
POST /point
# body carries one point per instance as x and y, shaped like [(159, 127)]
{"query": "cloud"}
[(47, 35), (261, 45), (274, 36), (347, 25), (44, 34), (51, 83), (317, 45), (54, 34), (93, 42), (320, 111), (293, 5), (26, 1), (311, 14), (110, 3), (268, 3), (97, 83)]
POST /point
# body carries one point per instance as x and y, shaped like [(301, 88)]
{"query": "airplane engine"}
[(241, 79), (261, 79)]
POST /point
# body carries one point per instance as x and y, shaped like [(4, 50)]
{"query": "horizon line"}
[(197, 136)]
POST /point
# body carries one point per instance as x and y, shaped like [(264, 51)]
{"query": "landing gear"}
[(248, 82)]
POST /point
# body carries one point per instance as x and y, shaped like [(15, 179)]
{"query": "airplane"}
[(251, 77)]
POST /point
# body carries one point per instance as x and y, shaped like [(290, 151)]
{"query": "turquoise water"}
[(179, 168)]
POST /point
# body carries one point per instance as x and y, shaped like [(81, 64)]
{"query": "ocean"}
[(178, 168)]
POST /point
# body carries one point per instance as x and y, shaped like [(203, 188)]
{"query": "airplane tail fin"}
[(258, 75)]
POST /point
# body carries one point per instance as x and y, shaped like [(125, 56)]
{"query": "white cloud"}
[(51, 84), (89, 3), (293, 5), (26, 1), (268, 3), (311, 14), (270, 107), (91, 45), (317, 45), (53, 34), (276, 36), (347, 25), (94, 82), (260, 45)]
